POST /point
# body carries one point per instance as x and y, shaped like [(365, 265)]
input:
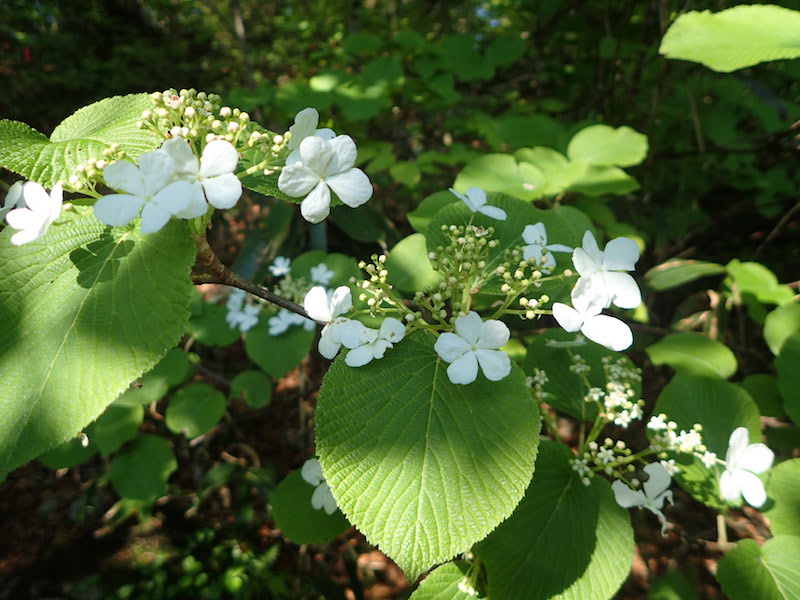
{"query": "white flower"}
[(670, 466), (327, 307), (13, 199), (148, 190), (281, 322), (475, 199), (322, 497), (305, 125), (657, 423), (33, 219), (709, 459), (366, 344), (656, 491), (602, 277), (603, 329), (536, 237), (325, 165), (475, 343), (321, 274), (743, 464), (280, 266), (241, 314), (212, 176)]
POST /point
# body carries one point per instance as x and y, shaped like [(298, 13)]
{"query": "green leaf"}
[(693, 353), (783, 492), (735, 38), (673, 585), (111, 120), (754, 279), (563, 389), (720, 407), (297, 519), (601, 145), (505, 49), (362, 43), (195, 409), (278, 355), (602, 180), (763, 389), (768, 572), (68, 454), (502, 173), (565, 540), (459, 56), (254, 387), (208, 325), (407, 173), (559, 172), (86, 310), (789, 376), (172, 370), (421, 217), (119, 423), (141, 469), (409, 267), (442, 583), (679, 271), (424, 467), (364, 224), (82, 136), (780, 324)]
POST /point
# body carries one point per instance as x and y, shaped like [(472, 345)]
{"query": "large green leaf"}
[(86, 310), (409, 267), (601, 145), (787, 364), (81, 136), (565, 540), (768, 572), (783, 491), (693, 353), (780, 325), (559, 172), (423, 467), (141, 470), (720, 407), (502, 173), (442, 584), (735, 38), (195, 409)]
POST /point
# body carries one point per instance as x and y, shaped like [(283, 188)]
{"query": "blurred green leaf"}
[(141, 469), (679, 271), (767, 572), (254, 387), (409, 267), (693, 353), (195, 409), (783, 493)]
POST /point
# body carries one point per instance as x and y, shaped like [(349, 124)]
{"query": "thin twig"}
[(221, 274)]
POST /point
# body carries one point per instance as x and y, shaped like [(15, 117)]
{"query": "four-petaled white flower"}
[(37, 211), (212, 178), (475, 199), (281, 322), (280, 266), (241, 314), (13, 199), (366, 344), (536, 237), (147, 190), (322, 496), (602, 274), (305, 125), (475, 343), (325, 165), (656, 491), (327, 307), (321, 274), (744, 462), (603, 329)]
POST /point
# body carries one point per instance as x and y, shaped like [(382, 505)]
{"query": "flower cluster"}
[(603, 281), (243, 310), (30, 210)]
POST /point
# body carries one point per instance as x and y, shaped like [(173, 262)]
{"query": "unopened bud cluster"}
[(610, 457), (89, 173), (376, 291), (667, 438), (618, 402)]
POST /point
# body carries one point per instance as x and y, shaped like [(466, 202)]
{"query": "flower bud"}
[(225, 111)]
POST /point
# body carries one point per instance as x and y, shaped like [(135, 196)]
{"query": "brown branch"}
[(221, 274)]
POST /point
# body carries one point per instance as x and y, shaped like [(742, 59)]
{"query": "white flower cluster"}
[(243, 310), (608, 457), (363, 343), (284, 319), (603, 281), (618, 399), (170, 182)]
